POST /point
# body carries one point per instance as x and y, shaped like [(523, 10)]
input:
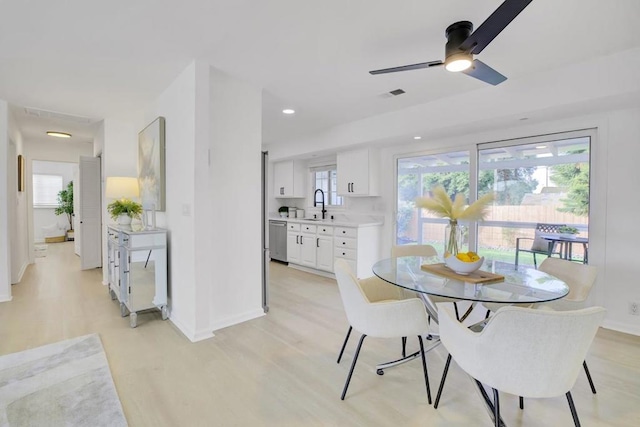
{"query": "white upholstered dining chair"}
[(386, 318), (523, 351), (580, 279)]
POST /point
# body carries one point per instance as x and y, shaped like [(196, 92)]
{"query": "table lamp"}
[(122, 187)]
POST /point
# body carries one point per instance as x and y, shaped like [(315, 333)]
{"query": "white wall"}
[(18, 218), (233, 249), (5, 259), (177, 104), (43, 217), (213, 152)]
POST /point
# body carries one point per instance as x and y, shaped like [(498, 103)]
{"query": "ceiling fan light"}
[(458, 62)]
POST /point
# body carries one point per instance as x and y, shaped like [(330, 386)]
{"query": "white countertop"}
[(365, 222)]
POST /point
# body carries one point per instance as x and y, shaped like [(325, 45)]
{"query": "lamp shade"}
[(122, 187)]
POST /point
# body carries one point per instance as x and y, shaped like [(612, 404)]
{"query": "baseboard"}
[(5, 298), (621, 327), (193, 336), (22, 271), (313, 271), (234, 320)]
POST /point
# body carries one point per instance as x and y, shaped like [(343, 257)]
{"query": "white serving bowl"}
[(462, 267)]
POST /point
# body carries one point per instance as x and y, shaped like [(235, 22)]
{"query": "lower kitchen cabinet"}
[(324, 253), (317, 246), (137, 272)]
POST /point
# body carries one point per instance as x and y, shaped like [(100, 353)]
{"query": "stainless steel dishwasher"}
[(278, 240)]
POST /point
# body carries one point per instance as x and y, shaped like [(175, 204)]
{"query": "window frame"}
[(474, 150), (326, 168), (48, 204)]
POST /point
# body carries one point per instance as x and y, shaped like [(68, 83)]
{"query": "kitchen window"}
[(45, 190), (325, 179)]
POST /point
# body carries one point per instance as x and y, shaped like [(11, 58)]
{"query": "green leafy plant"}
[(65, 204), (283, 209), (124, 207), (565, 229)]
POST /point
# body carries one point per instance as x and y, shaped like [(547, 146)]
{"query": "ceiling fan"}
[(463, 43)]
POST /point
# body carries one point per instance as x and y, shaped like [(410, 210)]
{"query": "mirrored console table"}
[(137, 269)]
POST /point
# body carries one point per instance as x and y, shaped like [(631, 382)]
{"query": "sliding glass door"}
[(535, 180), (539, 182), (417, 175)]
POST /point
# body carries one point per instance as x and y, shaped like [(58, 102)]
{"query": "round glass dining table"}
[(522, 286)]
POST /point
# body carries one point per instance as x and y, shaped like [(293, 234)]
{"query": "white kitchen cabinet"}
[(358, 172), (308, 249), (310, 245), (324, 253), (359, 246), (138, 273), (293, 243), (289, 179)]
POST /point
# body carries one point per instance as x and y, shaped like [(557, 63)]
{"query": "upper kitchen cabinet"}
[(289, 179), (358, 172)]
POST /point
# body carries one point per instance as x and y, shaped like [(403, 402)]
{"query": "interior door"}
[(76, 209), (90, 226)]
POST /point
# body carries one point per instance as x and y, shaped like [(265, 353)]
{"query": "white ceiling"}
[(99, 59)]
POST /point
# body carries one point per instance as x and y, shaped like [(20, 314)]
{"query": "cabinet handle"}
[(317, 242), (344, 243), (297, 242), (300, 239), (343, 232), (343, 253)]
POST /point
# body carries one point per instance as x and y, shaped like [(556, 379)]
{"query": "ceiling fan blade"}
[(482, 71), (493, 25), (407, 67)]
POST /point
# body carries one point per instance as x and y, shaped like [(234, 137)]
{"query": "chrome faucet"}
[(315, 201)]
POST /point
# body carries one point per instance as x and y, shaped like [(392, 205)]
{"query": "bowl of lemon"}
[(464, 263)]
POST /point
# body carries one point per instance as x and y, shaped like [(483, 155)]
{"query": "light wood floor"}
[(280, 370)]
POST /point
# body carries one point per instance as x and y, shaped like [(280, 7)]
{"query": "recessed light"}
[(417, 137), (288, 111), (524, 118), (59, 134), (540, 147)]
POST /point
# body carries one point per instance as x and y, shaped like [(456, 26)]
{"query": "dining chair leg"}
[(496, 407), (353, 365), (574, 413), (586, 371), (455, 306), (424, 369), (521, 402), (345, 343), (404, 346), (444, 377)]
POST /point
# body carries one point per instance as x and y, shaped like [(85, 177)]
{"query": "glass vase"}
[(453, 237)]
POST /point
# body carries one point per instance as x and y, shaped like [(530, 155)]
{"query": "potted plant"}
[(283, 211), (65, 206), (123, 211), (567, 231)]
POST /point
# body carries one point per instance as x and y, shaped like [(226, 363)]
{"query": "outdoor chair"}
[(539, 245)]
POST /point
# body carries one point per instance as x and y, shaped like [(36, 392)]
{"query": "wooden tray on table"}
[(478, 276)]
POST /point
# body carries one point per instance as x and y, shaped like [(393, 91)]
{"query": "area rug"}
[(63, 384)]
